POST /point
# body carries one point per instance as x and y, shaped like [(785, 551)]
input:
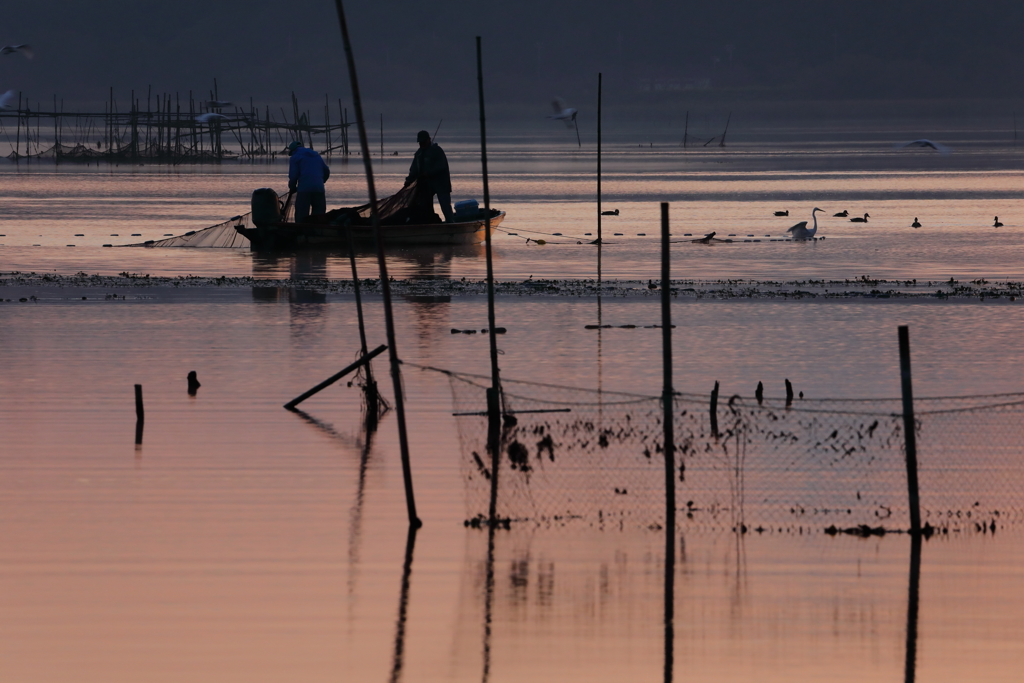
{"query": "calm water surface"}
[(243, 542)]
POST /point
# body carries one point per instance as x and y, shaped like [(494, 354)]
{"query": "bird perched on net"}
[(24, 49), (7, 100)]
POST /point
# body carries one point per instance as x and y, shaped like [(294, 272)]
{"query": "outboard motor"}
[(266, 207)]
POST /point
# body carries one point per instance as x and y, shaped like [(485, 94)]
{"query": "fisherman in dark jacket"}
[(307, 173), (430, 171)]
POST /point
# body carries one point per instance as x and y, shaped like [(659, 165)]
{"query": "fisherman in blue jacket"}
[(307, 173)]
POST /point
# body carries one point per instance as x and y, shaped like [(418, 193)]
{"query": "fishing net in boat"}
[(222, 235), (401, 208), (580, 456)]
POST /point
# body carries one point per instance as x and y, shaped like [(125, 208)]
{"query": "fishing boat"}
[(401, 224)]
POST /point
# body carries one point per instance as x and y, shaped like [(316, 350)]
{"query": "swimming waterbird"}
[(858, 219), (800, 231)]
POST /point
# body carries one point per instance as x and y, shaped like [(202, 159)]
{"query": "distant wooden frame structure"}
[(168, 131)]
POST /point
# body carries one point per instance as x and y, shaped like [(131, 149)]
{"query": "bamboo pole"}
[(17, 143), (668, 399), (599, 78), (910, 431), (396, 375), (494, 393)]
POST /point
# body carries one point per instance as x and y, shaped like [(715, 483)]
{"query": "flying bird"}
[(842, 214), (997, 224), (210, 116), (938, 147), (566, 114), (858, 219), (563, 113), (217, 104), (916, 223), (800, 231), (782, 213), (24, 49), (7, 100)]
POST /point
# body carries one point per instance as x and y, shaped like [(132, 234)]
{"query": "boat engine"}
[(266, 207)]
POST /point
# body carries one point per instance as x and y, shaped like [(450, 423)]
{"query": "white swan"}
[(800, 231)]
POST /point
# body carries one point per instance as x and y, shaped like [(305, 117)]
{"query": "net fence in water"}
[(580, 456)]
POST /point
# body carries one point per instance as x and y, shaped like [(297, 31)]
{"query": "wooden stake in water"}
[(494, 393), (721, 143), (910, 432), (372, 400), (667, 399), (714, 411), (396, 372), (140, 414)]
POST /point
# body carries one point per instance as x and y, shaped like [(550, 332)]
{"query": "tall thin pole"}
[(910, 433), (493, 395), (396, 373), (913, 608), (667, 399), (17, 139), (599, 158)]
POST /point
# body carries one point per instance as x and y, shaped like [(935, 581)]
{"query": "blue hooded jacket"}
[(307, 171)]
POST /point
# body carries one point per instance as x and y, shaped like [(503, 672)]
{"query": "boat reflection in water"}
[(422, 263)]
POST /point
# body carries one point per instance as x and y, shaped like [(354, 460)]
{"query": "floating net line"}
[(573, 455), (219, 236)]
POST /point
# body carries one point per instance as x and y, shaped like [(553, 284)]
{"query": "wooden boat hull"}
[(285, 236)]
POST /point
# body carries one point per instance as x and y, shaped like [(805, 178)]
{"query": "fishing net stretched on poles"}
[(580, 456)]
